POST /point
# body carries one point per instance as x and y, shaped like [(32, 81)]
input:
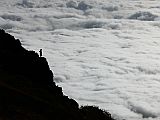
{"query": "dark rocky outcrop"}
[(27, 89)]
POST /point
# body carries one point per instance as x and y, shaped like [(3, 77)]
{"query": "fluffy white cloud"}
[(102, 53)]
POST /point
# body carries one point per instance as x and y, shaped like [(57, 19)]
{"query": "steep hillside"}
[(28, 91)]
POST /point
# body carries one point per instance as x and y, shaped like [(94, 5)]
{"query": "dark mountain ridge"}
[(28, 91)]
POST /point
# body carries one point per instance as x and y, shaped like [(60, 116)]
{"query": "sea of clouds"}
[(102, 52)]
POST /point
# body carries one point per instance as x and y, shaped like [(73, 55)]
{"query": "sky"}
[(102, 52)]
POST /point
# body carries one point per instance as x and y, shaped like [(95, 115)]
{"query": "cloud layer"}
[(103, 53)]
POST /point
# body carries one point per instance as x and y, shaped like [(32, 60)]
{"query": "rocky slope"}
[(27, 89)]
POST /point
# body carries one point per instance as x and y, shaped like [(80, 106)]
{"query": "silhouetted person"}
[(40, 52)]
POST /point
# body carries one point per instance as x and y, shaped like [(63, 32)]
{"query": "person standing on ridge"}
[(40, 52)]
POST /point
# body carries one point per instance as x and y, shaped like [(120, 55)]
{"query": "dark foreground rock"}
[(27, 89)]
